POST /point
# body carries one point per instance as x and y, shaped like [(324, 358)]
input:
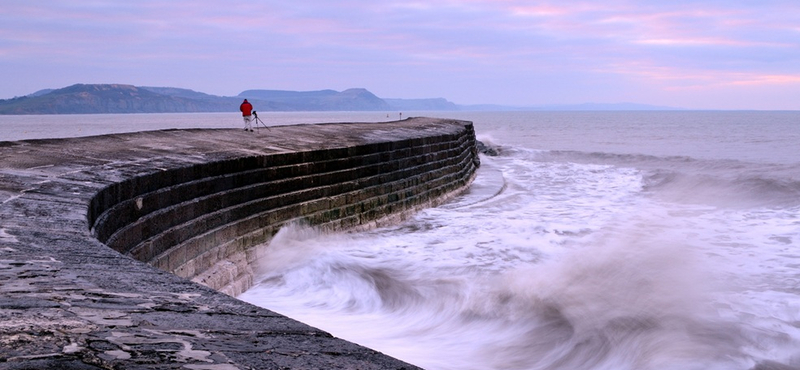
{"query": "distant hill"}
[(41, 92), (111, 98), (322, 100), (118, 98), (180, 93)]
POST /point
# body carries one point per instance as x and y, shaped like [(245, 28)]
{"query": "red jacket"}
[(246, 107)]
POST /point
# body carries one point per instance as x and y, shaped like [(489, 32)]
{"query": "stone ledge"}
[(69, 301)]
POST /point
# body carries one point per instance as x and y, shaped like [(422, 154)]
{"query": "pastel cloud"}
[(470, 51)]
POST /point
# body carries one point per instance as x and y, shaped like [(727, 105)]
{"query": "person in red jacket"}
[(246, 108)]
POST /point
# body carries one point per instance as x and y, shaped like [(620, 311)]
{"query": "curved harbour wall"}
[(201, 222), (195, 203)]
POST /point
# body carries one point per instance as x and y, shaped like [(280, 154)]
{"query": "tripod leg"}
[(258, 120)]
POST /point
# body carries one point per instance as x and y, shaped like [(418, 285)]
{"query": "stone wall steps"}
[(196, 221)]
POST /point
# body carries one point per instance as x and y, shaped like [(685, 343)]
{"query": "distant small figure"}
[(401, 116), (246, 108)]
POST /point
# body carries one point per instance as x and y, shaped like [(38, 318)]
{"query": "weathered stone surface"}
[(69, 301)]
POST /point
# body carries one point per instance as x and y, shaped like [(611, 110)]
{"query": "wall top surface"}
[(68, 300)]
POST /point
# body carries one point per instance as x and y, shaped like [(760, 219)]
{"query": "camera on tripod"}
[(259, 121)]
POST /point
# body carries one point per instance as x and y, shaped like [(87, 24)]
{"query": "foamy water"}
[(596, 240), (676, 250)]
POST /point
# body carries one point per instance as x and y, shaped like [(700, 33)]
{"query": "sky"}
[(702, 54)]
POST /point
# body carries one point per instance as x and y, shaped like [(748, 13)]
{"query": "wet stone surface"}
[(68, 301)]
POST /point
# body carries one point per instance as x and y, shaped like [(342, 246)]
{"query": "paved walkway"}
[(69, 302)]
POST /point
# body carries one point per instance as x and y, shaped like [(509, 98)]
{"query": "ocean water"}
[(594, 240), (24, 127)]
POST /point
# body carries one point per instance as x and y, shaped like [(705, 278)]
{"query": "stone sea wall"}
[(201, 222), (104, 239)]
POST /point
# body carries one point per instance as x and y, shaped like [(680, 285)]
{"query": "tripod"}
[(258, 120)]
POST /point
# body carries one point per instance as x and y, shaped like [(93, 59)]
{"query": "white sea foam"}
[(563, 259), (596, 240)]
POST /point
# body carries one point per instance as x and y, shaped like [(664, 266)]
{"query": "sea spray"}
[(622, 305), (574, 248), (721, 187)]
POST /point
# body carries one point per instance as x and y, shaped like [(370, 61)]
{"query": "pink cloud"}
[(669, 46), (761, 79)]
